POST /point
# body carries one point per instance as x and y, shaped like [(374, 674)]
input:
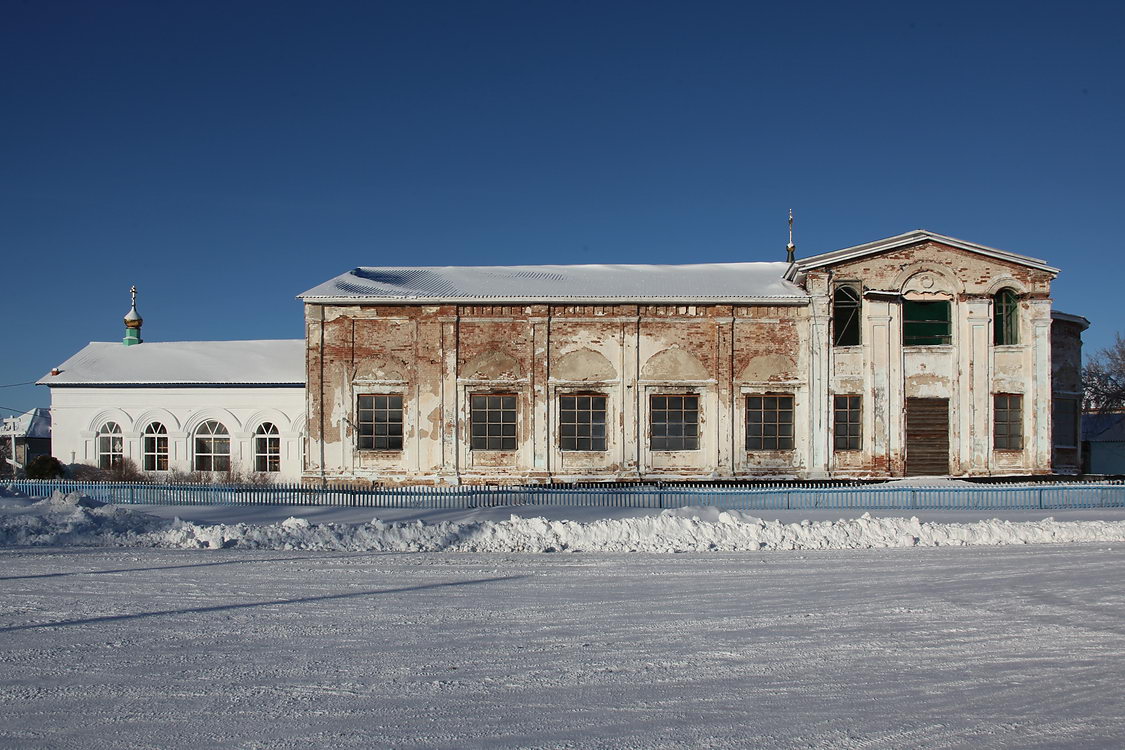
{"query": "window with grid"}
[(1007, 425), (111, 446), (493, 421), (769, 423), (582, 422), (380, 422), (674, 423), (846, 307), (846, 423), (156, 447), (212, 447), (267, 448)]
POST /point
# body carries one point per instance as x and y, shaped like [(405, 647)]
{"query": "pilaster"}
[(973, 378), (819, 351), (1038, 406)]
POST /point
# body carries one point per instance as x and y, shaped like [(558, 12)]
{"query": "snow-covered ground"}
[(985, 647), (887, 643)]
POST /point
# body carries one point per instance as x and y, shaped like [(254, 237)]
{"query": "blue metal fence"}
[(1049, 495)]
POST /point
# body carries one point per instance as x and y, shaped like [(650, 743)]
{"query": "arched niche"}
[(583, 365), (674, 364), (769, 367), (381, 368), (492, 365)]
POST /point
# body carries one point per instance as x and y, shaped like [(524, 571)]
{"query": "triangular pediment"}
[(913, 238)]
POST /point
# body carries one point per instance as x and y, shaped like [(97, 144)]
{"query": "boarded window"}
[(1007, 425), (1005, 320), (156, 447), (846, 415), (674, 423), (493, 421), (380, 422), (926, 323), (582, 422), (769, 423), (846, 307), (1065, 419)]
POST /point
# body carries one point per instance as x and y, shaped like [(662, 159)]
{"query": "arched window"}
[(267, 448), (1005, 318), (156, 447), (111, 446), (846, 306), (212, 447)]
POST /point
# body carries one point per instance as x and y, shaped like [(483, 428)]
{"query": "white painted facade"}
[(248, 387), (79, 413)]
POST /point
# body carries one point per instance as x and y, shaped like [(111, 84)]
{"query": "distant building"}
[(1103, 443), (30, 436)]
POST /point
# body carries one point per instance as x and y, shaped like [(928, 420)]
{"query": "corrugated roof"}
[(278, 362), (713, 282)]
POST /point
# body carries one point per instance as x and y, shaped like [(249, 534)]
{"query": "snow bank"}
[(73, 520)]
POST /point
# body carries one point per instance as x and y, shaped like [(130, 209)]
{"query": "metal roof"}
[(699, 282), (275, 362)]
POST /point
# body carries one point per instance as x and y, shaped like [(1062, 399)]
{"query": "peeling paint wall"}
[(967, 372), (438, 357)]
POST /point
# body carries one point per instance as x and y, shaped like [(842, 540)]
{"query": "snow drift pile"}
[(74, 520)]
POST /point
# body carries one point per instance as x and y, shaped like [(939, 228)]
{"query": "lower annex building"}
[(916, 354)]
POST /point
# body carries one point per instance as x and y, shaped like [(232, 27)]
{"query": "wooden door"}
[(927, 437)]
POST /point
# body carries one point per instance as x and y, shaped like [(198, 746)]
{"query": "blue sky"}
[(226, 156)]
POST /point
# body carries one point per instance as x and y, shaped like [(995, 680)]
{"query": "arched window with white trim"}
[(156, 447), (111, 446), (267, 448), (212, 447)]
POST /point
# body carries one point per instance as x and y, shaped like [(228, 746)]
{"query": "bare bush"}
[(235, 475), (125, 471)]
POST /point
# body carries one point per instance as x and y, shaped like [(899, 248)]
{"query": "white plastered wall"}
[(78, 412)]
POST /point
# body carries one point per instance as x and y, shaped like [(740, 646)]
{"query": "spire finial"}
[(133, 321), (791, 249)]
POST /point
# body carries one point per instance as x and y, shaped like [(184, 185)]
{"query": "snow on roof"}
[(33, 424), (712, 282), (278, 362)]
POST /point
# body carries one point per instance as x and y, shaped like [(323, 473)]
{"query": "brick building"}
[(917, 354)]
